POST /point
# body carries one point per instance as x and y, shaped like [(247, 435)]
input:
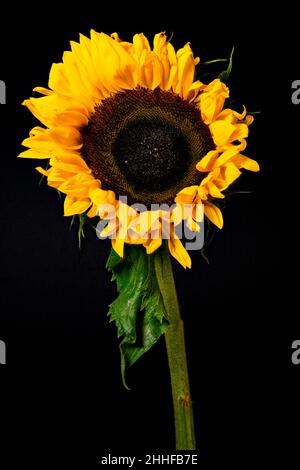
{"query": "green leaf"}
[(138, 311), (131, 275), (152, 300), (223, 76)]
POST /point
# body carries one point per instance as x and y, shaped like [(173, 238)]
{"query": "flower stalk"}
[(175, 345)]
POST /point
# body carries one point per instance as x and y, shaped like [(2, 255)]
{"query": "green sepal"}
[(81, 221), (213, 61), (224, 76), (138, 311)]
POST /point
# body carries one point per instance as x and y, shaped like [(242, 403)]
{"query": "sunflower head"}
[(123, 119)]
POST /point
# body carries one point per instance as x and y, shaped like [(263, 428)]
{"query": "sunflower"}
[(122, 119)]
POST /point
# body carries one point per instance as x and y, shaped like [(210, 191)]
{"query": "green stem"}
[(182, 402)]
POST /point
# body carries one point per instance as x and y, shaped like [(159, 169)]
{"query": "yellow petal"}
[(207, 162), (160, 48), (58, 81), (213, 213), (249, 120), (212, 100), (118, 246), (177, 214), (241, 131), (140, 43), (231, 173), (115, 36), (121, 67), (151, 70), (159, 43), (69, 167), (79, 185), (245, 162), (173, 74), (192, 225), (53, 110), (110, 229), (153, 245), (227, 155), (56, 177), (221, 131), (34, 154), (92, 212), (186, 70), (73, 206), (42, 90), (179, 252), (100, 196), (186, 195), (198, 212), (214, 191), (194, 90), (79, 84), (42, 171)]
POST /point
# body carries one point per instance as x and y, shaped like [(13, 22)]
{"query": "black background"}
[(62, 399)]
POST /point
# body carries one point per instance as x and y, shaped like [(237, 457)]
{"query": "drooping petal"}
[(74, 206), (212, 99), (245, 162), (221, 132), (152, 245), (186, 195), (207, 162), (213, 213), (178, 251), (118, 246)]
